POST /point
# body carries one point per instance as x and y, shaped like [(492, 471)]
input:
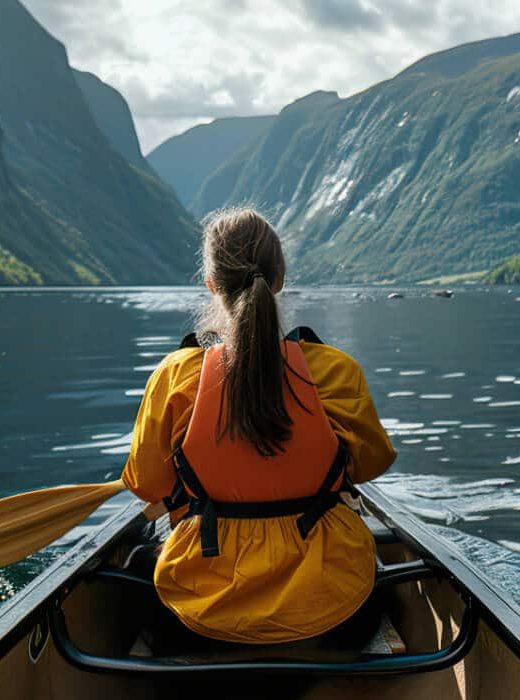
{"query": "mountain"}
[(506, 273), (112, 116), (44, 237), (461, 59), (186, 160), (77, 210), (410, 179), (245, 178)]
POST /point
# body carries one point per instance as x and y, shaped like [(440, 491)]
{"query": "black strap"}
[(248, 510), (325, 499), (186, 472), (303, 333), (178, 499), (209, 530), (208, 523), (189, 341)]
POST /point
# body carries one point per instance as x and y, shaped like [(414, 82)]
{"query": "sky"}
[(183, 62)]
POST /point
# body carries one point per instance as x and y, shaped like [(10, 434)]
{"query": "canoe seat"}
[(385, 641)]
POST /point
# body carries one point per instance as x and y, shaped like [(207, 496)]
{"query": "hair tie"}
[(251, 275)]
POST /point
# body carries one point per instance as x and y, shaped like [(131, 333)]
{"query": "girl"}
[(250, 441)]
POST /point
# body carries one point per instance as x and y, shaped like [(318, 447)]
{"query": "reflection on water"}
[(444, 373)]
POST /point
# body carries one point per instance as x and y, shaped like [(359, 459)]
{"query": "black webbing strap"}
[(178, 499), (325, 499), (255, 509), (303, 333), (208, 523)]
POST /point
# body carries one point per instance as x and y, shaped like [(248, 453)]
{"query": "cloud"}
[(343, 16), (409, 14), (180, 62), (233, 94), (100, 29)]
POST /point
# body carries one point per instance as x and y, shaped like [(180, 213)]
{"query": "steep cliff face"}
[(186, 160), (412, 178), (122, 224), (4, 175), (112, 116)]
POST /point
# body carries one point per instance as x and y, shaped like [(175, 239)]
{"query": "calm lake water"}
[(444, 374)]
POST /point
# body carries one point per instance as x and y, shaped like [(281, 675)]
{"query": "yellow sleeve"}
[(161, 422), (346, 399)]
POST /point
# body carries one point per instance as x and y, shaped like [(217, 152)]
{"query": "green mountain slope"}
[(113, 222), (413, 178), (506, 273), (186, 160), (29, 234)]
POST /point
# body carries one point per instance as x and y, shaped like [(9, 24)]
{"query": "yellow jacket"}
[(268, 585)]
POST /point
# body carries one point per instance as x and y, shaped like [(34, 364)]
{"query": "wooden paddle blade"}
[(30, 521)]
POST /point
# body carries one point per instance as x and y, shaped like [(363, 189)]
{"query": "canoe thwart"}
[(403, 572)]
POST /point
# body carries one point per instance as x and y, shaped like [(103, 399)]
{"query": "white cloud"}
[(178, 62)]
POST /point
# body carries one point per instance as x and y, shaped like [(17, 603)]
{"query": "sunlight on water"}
[(123, 440), (435, 396)]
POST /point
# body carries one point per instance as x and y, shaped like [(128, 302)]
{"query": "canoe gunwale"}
[(497, 608), (31, 603)]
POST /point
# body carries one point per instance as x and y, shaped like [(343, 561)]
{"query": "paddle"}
[(30, 521)]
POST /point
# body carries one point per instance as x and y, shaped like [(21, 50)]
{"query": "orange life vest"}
[(228, 478)]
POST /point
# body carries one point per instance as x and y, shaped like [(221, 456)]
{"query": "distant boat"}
[(396, 295), (447, 293)]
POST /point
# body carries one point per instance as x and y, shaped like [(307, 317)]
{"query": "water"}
[(444, 374)]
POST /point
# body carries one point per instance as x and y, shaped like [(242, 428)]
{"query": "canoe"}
[(76, 631)]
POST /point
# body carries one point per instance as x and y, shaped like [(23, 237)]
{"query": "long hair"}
[(243, 259)]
